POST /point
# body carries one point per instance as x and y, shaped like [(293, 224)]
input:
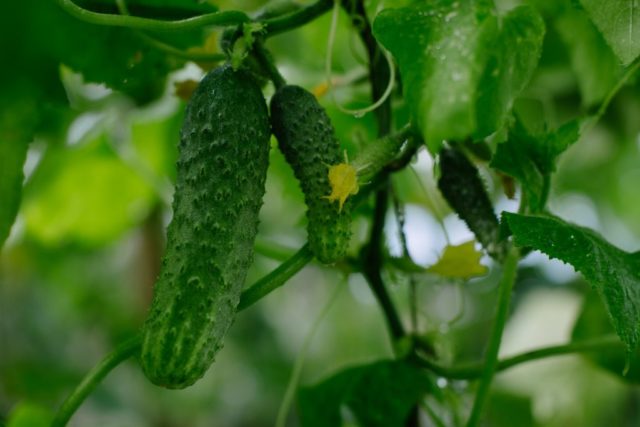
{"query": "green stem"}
[(167, 48), (296, 19), (182, 54), (221, 19), (292, 386), (509, 272), (629, 72), (93, 378), (378, 68), (273, 250), (373, 260), (475, 370), (266, 61), (128, 348), (276, 278)]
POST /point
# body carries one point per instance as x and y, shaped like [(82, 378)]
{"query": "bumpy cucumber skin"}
[(222, 166), (307, 140), (462, 187)]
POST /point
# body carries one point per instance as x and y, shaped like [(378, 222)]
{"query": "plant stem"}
[(281, 24), (509, 272), (167, 48), (276, 278), (630, 71), (475, 370), (221, 19), (373, 260), (266, 61), (378, 67), (182, 54), (273, 250), (93, 378), (272, 26), (290, 392)]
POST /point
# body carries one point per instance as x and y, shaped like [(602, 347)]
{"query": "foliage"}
[(512, 124)]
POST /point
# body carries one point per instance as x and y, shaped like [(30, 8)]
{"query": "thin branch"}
[(281, 24), (266, 61), (475, 370), (276, 278), (378, 67), (372, 255), (93, 378), (510, 268), (372, 261), (220, 19), (167, 48), (629, 72)]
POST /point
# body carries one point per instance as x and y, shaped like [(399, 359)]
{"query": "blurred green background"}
[(77, 272)]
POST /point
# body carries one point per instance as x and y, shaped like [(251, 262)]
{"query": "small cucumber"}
[(307, 140), (462, 187), (221, 172)]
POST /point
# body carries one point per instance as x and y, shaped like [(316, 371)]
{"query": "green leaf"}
[(614, 273), (380, 394), (12, 156), (593, 322), (30, 98), (27, 414), (117, 57), (594, 63), (461, 68), (619, 23), (84, 195), (512, 59), (531, 159)]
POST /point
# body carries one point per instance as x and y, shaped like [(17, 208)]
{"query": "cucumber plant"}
[(463, 87)]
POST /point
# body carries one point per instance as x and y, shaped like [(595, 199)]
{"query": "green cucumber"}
[(222, 165), (307, 140), (462, 187)]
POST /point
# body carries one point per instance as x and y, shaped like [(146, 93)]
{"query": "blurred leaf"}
[(117, 57), (30, 96), (512, 59), (27, 414), (614, 273), (532, 159), (459, 261), (12, 156), (380, 394), (156, 143), (593, 62), (618, 20), (461, 69), (506, 409), (84, 195), (593, 322)]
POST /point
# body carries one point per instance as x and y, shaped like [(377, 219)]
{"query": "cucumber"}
[(221, 172), (463, 189), (307, 140)]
